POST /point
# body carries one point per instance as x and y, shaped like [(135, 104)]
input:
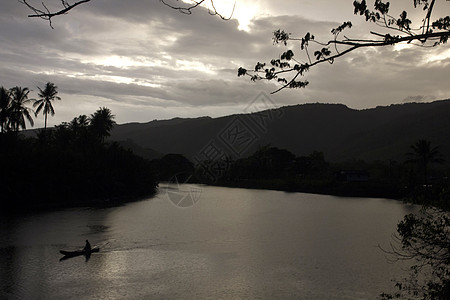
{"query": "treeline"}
[(273, 168), (71, 164)]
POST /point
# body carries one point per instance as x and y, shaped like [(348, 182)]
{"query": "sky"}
[(146, 61)]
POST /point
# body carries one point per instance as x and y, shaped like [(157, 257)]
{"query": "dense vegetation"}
[(273, 168), (70, 164), (61, 172)]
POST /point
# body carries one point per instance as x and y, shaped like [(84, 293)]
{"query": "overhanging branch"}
[(399, 30), (189, 7), (46, 14)]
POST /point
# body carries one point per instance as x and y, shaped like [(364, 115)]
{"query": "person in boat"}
[(87, 247)]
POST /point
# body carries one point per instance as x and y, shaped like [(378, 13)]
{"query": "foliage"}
[(425, 239), (274, 168), (18, 111), (288, 67), (171, 165), (423, 155), (5, 104), (70, 165), (44, 103), (13, 109), (266, 163), (101, 123)]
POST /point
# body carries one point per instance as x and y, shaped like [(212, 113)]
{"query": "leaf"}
[(298, 84), (306, 39), (259, 66), (383, 8), (340, 28), (442, 23), (241, 71), (280, 36), (287, 55), (404, 22)]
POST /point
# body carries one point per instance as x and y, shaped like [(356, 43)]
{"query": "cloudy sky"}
[(146, 61)]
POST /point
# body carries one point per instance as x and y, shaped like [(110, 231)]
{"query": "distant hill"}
[(140, 151), (380, 133)]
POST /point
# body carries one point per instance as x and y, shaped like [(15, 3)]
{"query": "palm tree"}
[(423, 154), (5, 104), (102, 121), (79, 127), (18, 110), (79, 123), (47, 95)]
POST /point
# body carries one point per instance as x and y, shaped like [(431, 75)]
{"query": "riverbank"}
[(19, 208), (342, 189), (432, 195)]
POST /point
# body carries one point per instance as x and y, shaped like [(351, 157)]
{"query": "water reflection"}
[(234, 243)]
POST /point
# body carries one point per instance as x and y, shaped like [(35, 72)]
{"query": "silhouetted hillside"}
[(381, 133), (140, 151)]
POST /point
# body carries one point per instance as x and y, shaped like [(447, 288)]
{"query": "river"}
[(226, 243)]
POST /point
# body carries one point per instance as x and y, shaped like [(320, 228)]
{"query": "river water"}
[(232, 244)]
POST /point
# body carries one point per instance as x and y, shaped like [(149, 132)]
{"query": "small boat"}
[(79, 252)]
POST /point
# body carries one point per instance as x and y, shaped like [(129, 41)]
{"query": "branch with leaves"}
[(45, 13), (286, 69), (424, 239)]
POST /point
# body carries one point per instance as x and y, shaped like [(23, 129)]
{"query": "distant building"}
[(353, 175)]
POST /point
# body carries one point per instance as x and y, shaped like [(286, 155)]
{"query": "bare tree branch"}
[(46, 14), (194, 4)]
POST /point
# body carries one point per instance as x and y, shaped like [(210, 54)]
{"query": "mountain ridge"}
[(342, 133)]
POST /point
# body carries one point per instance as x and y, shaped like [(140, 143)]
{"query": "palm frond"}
[(47, 95), (41, 105)]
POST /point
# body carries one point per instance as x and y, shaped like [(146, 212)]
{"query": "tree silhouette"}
[(424, 239), (423, 154), (103, 173), (79, 122), (46, 14), (18, 110), (286, 68), (101, 123), (188, 6), (79, 129), (5, 104), (47, 95)]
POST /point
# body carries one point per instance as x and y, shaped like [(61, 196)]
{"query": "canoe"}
[(79, 252)]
